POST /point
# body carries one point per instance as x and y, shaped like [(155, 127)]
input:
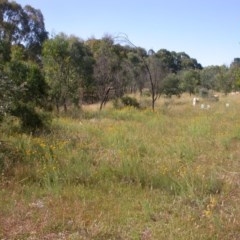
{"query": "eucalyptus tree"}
[(208, 78), (168, 60), (137, 72), (152, 72), (81, 71), (190, 80), (171, 85), (158, 71), (36, 33), (22, 85), (234, 74), (176, 62), (22, 25), (56, 61), (13, 22), (107, 70), (186, 62), (224, 82), (25, 92), (66, 62), (153, 66)]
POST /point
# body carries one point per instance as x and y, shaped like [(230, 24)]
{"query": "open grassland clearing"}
[(125, 174)]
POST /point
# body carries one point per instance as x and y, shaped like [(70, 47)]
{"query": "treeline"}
[(38, 72)]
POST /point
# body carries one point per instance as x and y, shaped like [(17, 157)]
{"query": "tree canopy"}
[(63, 70)]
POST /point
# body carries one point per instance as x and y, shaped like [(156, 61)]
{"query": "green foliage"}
[(36, 86), (190, 79), (108, 70), (176, 62), (5, 52), (30, 118), (168, 59), (208, 77), (171, 85), (23, 25), (130, 101), (36, 34), (22, 91), (11, 93), (22, 82), (18, 53), (78, 71), (29, 78), (66, 63), (234, 73)]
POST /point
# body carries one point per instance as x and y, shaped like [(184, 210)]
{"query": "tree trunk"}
[(105, 98)]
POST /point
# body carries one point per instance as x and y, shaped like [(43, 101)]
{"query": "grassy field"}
[(125, 174)]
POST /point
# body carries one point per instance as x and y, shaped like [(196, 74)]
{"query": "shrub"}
[(130, 101), (203, 92), (31, 119)]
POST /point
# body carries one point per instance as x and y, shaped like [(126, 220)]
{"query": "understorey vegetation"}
[(122, 172)]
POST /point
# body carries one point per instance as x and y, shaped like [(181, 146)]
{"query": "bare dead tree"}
[(123, 38)]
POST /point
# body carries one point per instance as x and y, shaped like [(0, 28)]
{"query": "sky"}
[(207, 30)]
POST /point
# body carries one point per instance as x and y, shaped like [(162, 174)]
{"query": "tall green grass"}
[(122, 173)]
